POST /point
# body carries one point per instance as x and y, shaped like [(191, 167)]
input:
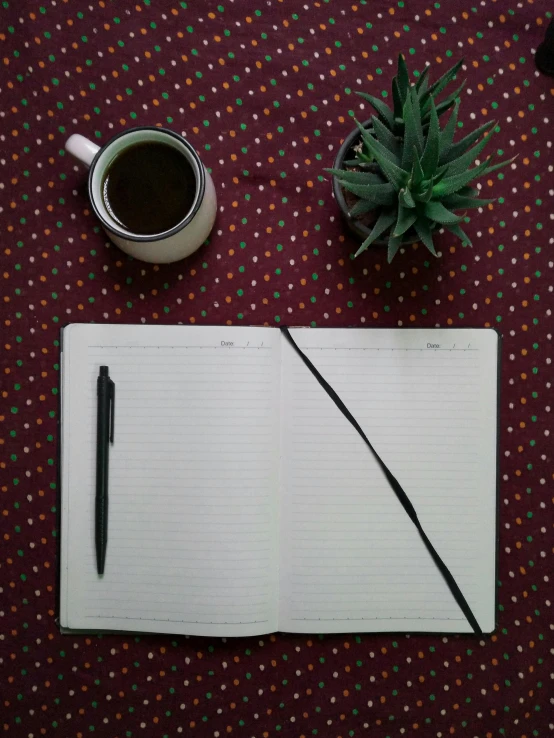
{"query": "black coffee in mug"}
[(149, 188)]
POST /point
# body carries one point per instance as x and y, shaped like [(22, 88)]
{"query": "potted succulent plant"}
[(400, 176)]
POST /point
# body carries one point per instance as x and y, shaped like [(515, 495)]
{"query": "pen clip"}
[(112, 410)]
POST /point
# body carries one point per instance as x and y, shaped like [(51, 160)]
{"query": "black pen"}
[(104, 436)]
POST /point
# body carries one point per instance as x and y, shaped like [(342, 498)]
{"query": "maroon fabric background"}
[(264, 90)]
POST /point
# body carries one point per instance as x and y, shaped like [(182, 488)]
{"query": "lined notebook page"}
[(350, 557), (192, 540)]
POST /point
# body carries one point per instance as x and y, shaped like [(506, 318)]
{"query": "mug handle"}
[(81, 148)]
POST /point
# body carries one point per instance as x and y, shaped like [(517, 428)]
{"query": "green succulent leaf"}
[(447, 134), (393, 246), (361, 163), (430, 158), (384, 221), (469, 192), (500, 165), (424, 231), (368, 178), (416, 112), (405, 198), (441, 173), (438, 86), (377, 194), (457, 149), (406, 218), (385, 113), (423, 81), (403, 78), (387, 138), (449, 101), (461, 202), (457, 231), (397, 101), (441, 84), (361, 207), (436, 211), (412, 141), (425, 84), (372, 144), (462, 163), (449, 185), (417, 176), (425, 193), (395, 174), (364, 155)]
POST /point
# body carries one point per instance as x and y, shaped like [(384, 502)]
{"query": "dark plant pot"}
[(544, 57), (357, 229)]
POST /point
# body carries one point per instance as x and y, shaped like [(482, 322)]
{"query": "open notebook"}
[(241, 500)]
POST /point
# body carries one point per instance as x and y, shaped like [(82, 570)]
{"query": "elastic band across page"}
[(395, 484)]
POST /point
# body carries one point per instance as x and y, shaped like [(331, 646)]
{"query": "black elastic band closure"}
[(395, 484)]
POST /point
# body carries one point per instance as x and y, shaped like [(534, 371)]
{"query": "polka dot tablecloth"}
[(265, 91)]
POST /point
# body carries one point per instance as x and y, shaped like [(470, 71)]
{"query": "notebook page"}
[(192, 539), (351, 559)]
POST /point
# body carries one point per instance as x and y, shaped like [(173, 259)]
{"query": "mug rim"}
[(153, 237)]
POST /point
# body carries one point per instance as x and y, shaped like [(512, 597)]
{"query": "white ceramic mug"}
[(161, 248)]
